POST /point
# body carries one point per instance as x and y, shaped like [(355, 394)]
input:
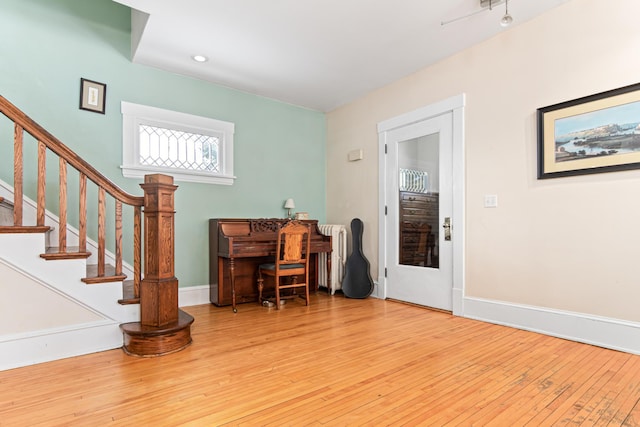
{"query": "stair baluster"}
[(42, 182), (82, 214), (137, 250), (118, 238), (101, 231), (62, 198), (17, 175)]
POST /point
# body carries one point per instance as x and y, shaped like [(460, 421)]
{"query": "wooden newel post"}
[(159, 288), (163, 328)]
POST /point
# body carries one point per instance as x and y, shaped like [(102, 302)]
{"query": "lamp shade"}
[(289, 204)]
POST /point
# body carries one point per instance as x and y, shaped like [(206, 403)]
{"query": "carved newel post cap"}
[(158, 178)]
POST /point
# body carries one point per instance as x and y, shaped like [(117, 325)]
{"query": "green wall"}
[(46, 46)]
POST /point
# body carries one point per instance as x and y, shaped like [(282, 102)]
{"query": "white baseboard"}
[(458, 301), (378, 291), (600, 331), (193, 295), (45, 346)]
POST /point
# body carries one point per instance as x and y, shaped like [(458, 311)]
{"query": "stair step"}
[(127, 294), (109, 275), (6, 229), (72, 252)]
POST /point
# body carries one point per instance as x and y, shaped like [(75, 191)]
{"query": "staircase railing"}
[(160, 316), (46, 141)]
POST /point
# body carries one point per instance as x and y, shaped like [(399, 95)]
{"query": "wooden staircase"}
[(163, 328)]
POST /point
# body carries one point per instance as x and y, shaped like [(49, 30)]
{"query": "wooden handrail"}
[(55, 145)]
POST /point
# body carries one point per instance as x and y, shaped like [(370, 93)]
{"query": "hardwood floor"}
[(337, 362)]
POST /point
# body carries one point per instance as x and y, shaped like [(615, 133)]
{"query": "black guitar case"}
[(357, 282)]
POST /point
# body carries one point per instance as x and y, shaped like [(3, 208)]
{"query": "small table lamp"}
[(288, 205)]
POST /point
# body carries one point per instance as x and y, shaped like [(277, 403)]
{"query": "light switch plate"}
[(490, 201)]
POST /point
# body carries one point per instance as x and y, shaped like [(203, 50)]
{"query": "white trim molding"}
[(48, 345), (454, 105), (135, 115), (193, 295), (604, 332)]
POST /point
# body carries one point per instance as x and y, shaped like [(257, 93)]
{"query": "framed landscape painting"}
[(597, 133)]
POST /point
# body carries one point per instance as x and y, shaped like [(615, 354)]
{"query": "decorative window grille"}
[(176, 149), (190, 148), (414, 180)]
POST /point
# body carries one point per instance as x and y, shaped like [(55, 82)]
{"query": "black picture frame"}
[(594, 134), (93, 96)]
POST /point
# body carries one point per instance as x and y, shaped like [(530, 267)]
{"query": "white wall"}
[(565, 244), (45, 309)]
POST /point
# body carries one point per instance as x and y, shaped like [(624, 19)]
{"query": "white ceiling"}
[(318, 54)]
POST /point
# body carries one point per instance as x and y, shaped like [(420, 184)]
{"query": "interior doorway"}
[(421, 194)]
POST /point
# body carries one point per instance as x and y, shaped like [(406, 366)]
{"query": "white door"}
[(419, 201)]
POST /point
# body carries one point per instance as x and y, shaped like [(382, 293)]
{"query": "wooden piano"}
[(236, 248)]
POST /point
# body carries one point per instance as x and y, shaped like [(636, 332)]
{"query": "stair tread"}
[(109, 275), (7, 229), (128, 294), (72, 252)]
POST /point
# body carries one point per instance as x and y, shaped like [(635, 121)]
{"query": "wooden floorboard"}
[(337, 362)]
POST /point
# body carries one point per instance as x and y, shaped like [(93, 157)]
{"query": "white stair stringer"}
[(21, 251)]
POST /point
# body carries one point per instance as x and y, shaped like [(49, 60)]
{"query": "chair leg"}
[(277, 286), (306, 291)]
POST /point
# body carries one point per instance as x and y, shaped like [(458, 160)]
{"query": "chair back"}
[(294, 241)]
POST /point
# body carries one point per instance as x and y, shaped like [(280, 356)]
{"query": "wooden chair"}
[(291, 260)]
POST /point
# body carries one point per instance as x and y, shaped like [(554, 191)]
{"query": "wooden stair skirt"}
[(150, 341)]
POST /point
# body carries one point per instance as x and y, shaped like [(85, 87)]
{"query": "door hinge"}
[(385, 209), (385, 148), (385, 272)]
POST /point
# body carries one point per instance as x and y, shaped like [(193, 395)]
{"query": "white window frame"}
[(134, 115)]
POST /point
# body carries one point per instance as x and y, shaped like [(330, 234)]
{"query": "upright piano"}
[(237, 246)]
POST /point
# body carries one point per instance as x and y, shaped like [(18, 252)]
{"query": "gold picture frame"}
[(92, 96), (593, 134)]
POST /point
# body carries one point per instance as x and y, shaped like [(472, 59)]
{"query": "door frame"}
[(455, 106)]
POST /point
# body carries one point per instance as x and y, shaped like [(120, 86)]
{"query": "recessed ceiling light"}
[(199, 58)]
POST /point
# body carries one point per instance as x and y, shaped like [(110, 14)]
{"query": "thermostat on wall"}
[(355, 155)]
